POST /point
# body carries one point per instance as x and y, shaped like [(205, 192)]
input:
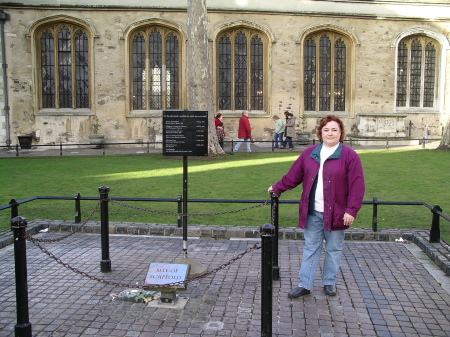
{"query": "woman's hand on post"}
[(269, 190)]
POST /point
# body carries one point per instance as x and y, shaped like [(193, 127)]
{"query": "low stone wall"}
[(439, 253)]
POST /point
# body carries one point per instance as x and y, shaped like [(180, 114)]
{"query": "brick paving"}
[(383, 290)]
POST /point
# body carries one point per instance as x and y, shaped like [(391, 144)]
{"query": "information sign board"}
[(185, 133)]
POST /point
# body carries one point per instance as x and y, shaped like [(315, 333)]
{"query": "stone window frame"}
[(441, 44), (54, 23), (251, 29), (351, 43), (144, 26)]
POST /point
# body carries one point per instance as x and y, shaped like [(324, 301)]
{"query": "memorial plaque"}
[(166, 273), (185, 133)]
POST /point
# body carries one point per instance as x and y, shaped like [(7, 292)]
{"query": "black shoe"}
[(297, 292), (329, 290)]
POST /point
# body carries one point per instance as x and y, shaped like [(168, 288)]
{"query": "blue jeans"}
[(287, 140), (238, 144), (278, 136), (314, 236)]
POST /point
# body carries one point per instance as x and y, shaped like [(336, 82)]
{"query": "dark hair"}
[(324, 121), (219, 124), (219, 115)]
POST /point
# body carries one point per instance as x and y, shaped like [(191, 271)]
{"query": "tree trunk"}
[(445, 142), (199, 80)]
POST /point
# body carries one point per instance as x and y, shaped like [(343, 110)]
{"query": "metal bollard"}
[(375, 215), (274, 221), (105, 263), (23, 326), (14, 208), (77, 198), (267, 237), (435, 232)]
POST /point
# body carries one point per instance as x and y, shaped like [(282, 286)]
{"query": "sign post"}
[(185, 133)]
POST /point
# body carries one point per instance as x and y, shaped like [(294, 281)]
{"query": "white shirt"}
[(325, 152)]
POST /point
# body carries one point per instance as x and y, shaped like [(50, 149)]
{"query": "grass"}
[(391, 175)]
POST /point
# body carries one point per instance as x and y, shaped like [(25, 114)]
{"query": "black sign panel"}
[(185, 133)]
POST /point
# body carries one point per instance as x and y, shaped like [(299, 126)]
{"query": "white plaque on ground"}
[(167, 273)]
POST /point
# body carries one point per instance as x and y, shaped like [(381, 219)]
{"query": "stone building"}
[(383, 66)]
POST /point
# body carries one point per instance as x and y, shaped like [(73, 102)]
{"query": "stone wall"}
[(373, 90)]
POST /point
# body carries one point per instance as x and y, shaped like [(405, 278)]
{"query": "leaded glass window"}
[(155, 69), (241, 70), (416, 72), (325, 72), (64, 65), (225, 77)]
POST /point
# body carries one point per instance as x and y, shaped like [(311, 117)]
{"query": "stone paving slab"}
[(383, 290)]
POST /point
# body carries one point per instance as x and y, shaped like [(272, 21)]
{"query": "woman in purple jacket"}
[(333, 190)]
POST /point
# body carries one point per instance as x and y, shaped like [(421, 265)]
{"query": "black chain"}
[(30, 238), (37, 241), (144, 286), (187, 214)]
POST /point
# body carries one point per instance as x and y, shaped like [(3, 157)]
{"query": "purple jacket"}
[(343, 184)]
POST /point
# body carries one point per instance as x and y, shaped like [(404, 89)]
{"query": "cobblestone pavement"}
[(384, 289)]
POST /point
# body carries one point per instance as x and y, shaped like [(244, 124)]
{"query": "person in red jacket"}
[(218, 119), (244, 132), (332, 178)]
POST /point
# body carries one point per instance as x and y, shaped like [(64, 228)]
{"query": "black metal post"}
[(274, 221), (105, 263), (77, 207), (267, 238), (435, 232), (185, 204), (180, 210), (60, 149), (14, 208), (375, 215), (23, 326)]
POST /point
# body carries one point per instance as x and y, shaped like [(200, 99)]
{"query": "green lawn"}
[(391, 175)]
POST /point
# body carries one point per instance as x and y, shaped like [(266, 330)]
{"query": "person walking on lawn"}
[(244, 132)]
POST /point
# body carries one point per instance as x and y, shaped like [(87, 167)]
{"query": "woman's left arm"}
[(356, 187)]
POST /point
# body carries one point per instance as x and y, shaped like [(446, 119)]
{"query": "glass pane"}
[(339, 75), (155, 53), (402, 74), (416, 70), (48, 70), (172, 76), (224, 75), (139, 78), (309, 88), (240, 72), (256, 59), (325, 74), (430, 75), (65, 68), (81, 71)]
